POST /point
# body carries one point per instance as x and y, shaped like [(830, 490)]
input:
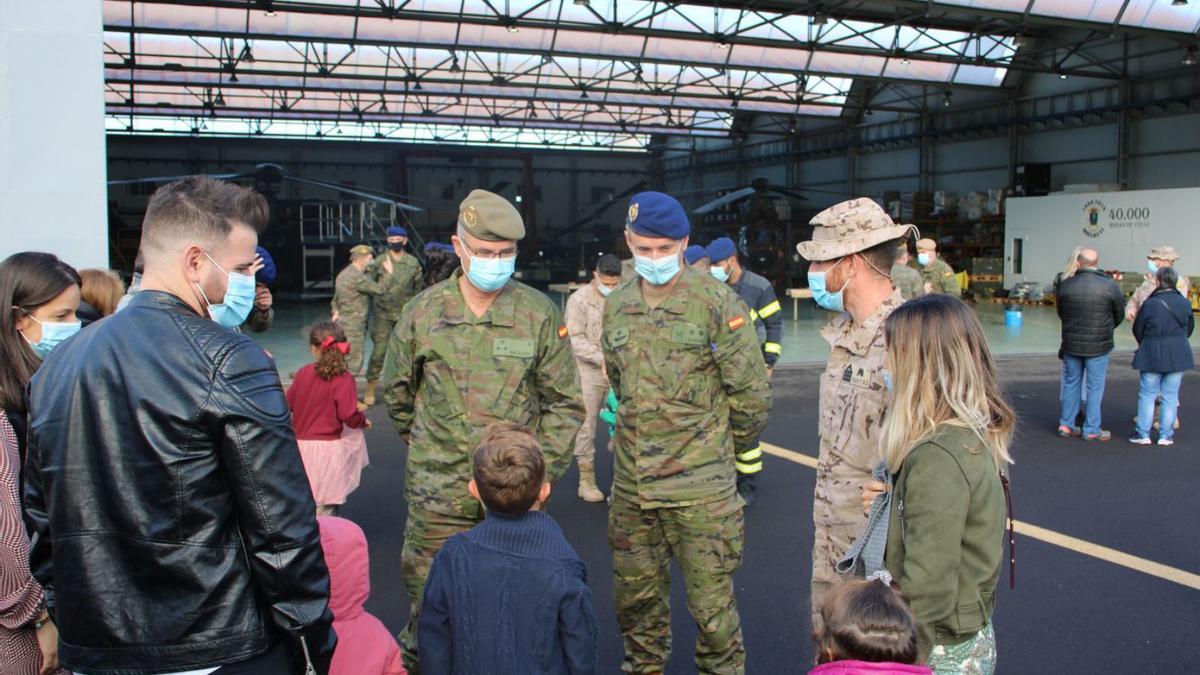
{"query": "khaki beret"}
[(926, 245), (849, 227), (361, 249), (1163, 253), (490, 217)]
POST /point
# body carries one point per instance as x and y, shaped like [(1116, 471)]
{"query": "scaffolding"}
[(326, 225)]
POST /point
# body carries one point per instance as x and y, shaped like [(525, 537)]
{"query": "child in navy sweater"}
[(510, 595)]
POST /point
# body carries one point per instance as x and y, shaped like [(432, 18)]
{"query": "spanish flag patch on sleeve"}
[(562, 332), (737, 322)]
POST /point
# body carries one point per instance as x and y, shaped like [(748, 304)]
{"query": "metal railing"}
[(345, 221)]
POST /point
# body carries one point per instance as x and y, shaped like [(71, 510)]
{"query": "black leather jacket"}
[(1091, 306), (173, 527)]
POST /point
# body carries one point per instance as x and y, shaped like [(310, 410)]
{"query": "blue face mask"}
[(1153, 267), (490, 274), (53, 335), (657, 271), (239, 298), (719, 273), (923, 259), (821, 295)]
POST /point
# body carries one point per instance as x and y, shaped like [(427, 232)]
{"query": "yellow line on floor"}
[(1111, 555)]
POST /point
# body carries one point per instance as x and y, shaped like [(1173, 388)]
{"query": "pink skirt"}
[(334, 467)]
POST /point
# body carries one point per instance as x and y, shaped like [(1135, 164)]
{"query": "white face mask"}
[(604, 290)]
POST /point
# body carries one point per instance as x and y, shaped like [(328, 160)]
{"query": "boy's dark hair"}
[(609, 265), (1167, 277), (867, 620), (509, 468)]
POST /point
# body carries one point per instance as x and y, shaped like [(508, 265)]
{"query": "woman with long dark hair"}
[(39, 294), (1164, 324)]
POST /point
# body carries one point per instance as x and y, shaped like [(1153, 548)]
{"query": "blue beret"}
[(654, 214), (720, 249), (267, 274), (397, 231), (438, 246), (693, 253)]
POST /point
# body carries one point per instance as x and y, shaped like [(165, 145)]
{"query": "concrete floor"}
[(1070, 612), (802, 343)]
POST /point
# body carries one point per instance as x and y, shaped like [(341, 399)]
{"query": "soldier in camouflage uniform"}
[(938, 276), (1162, 256), (397, 288), (352, 291), (474, 349), (905, 278), (854, 246), (692, 387)]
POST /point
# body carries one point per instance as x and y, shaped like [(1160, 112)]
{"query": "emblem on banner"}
[(1094, 211)]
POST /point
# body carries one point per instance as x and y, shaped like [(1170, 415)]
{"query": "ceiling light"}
[(269, 12), (454, 67), (1062, 76), (820, 20), (247, 54), (905, 61), (1178, 3), (946, 99), (220, 99), (1189, 56), (583, 3), (512, 28), (383, 106)]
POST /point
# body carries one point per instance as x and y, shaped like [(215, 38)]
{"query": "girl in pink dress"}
[(329, 425)]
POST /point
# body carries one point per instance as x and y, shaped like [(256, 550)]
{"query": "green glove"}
[(608, 414)]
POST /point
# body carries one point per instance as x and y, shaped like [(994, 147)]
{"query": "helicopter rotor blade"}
[(170, 179), (723, 200), (354, 191)]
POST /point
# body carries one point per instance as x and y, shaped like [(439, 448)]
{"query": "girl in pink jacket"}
[(365, 647), (867, 629)]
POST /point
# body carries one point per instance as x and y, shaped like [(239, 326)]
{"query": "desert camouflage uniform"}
[(585, 318), (397, 289), (692, 388), (352, 303), (1149, 285), (908, 281), (854, 399), (941, 277), (456, 374)]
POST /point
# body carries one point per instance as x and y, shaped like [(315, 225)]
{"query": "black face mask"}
[(396, 247)]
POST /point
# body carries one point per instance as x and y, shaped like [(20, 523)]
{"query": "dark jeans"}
[(274, 662)]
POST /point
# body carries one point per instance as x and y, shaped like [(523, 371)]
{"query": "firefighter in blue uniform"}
[(759, 296)]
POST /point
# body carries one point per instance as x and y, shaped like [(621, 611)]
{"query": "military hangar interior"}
[(1009, 132)]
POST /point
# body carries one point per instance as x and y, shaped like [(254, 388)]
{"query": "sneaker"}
[(1067, 432), (1140, 440), (1166, 441), (1102, 436)]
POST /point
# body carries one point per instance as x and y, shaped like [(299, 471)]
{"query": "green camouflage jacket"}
[(457, 373), (352, 291), (692, 387), (398, 287)]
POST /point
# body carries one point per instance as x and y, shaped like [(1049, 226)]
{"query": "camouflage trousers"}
[(356, 335), (706, 539), (424, 534), (595, 387), (838, 521), (381, 331)]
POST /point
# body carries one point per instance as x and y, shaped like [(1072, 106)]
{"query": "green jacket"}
[(908, 281), (457, 373), (692, 387), (945, 544), (940, 276), (352, 295), (398, 287)]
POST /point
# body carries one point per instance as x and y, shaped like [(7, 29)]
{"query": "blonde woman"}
[(1070, 270), (945, 441)]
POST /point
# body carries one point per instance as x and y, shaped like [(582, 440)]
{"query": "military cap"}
[(1164, 253), (849, 227), (720, 249), (926, 245), (654, 214), (267, 274), (488, 216), (397, 231), (361, 249), (693, 253)]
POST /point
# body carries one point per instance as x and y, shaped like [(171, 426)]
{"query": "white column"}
[(53, 195)]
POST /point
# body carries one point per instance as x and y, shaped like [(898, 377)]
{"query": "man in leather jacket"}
[(172, 524)]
